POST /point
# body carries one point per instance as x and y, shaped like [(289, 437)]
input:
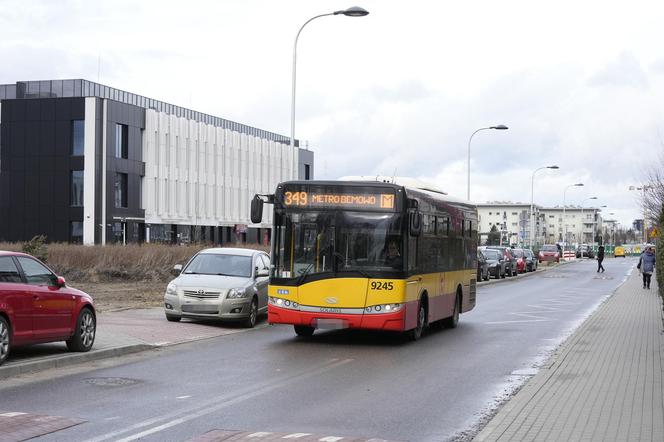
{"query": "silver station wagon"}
[(220, 283)]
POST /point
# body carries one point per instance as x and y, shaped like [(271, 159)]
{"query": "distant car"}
[(531, 261), (520, 257), (584, 250), (220, 283), (549, 253), (495, 262), (36, 306), (619, 252), (510, 261), (482, 266)]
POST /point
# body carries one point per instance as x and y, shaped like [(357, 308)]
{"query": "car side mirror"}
[(60, 281), (177, 269), (262, 272)]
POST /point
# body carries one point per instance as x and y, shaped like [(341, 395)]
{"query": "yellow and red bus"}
[(369, 255)]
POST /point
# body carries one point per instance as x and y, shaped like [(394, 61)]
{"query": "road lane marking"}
[(203, 408), (296, 435), (259, 434), (330, 439), (519, 321), (183, 397)]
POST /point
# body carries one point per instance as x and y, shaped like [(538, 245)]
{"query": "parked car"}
[(510, 261), (37, 306), (531, 261), (520, 257), (549, 253), (220, 283), (495, 262), (619, 252), (482, 266), (584, 250)]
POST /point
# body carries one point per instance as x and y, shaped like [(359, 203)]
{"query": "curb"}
[(522, 275), (70, 359)]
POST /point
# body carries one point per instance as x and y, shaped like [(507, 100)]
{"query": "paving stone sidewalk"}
[(604, 383)]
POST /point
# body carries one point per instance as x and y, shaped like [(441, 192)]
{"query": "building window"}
[(120, 190), (121, 141), (76, 195), (76, 232), (77, 137), (307, 172)]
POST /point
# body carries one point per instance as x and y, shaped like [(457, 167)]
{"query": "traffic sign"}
[(654, 232)]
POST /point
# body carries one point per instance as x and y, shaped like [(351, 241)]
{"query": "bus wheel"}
[(303, 330), (453, 320), (416, 333)]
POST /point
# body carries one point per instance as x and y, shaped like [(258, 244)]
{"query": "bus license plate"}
[(331, 324)]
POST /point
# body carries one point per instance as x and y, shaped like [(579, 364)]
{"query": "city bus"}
[(369, 255)]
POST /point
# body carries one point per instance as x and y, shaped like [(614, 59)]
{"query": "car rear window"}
[(549, 248), (491, 254), (217, 264)]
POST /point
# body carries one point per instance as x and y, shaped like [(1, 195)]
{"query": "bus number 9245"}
[(377, 285)]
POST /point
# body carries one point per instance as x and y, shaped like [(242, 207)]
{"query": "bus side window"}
[(412, 253)]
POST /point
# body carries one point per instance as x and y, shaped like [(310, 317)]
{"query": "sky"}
[(580, 84)]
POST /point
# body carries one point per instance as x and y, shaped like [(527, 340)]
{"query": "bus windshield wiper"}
[(304, 273)]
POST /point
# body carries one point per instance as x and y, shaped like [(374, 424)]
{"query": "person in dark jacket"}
[(646, 265), (600, 258)]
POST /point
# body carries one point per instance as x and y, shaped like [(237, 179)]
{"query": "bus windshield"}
[(308, 243)]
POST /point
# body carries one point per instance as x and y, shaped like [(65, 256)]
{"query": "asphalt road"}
[(340, 383)]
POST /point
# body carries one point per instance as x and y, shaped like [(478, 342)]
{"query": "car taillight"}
[(541, 254)]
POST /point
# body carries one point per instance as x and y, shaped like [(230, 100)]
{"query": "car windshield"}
[(491, 254), (219, 264), (351, 242), (549, 248), (517, 253)]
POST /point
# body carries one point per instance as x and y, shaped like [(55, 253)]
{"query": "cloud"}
[(626, 71)]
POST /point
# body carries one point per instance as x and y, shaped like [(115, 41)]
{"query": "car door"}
[(15, 300), (262, 264), (52, 305)]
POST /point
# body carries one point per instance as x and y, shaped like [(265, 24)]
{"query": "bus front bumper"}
[(383, 321)]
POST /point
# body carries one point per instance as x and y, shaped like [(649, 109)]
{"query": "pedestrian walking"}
[(646, 266), (600, 258)]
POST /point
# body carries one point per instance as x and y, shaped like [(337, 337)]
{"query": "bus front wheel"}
[(416, 333), (303, 330)]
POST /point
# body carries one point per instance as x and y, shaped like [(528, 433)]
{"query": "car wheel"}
[(84, 333), (453, 320), (487, 276), (5, 340), (416, 333), (303, 330), (250, 322), (173, 318)]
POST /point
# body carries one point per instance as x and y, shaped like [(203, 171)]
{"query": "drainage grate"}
[(111, 382)]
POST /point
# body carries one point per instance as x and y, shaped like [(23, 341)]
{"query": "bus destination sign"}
[(326, 199)]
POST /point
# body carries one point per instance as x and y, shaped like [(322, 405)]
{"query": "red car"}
[(520, 256), (36, 307), (549, 253)]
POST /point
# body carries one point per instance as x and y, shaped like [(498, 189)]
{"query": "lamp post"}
[(595, 223), (564, 216), (582, 236), (532, 205), (354, 11), (498, 127)]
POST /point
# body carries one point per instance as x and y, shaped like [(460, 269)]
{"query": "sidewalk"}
[(604, 383), (118, 333)]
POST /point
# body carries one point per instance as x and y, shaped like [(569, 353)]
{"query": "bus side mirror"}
[(415, 223), (256, 209)]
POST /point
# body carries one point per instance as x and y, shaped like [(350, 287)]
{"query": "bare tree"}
[(652, 197)]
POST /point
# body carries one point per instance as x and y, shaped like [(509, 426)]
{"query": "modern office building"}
[(84, 162)]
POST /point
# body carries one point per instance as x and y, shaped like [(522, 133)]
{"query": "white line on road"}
[(517, 321)]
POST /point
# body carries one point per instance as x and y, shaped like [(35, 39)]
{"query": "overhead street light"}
[(498, 127), (532, 206), (565, 216), (354, 11)]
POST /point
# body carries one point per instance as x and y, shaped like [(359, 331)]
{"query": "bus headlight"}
[(283, 303), (383, 308)]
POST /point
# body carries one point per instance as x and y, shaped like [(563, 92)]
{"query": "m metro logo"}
[(386, 201)]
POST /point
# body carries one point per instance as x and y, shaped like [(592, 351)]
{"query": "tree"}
[(494, 236)]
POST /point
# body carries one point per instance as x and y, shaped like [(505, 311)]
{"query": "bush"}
[(659, 260), (36, 247)]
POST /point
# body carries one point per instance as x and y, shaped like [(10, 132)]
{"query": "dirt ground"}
[(110, 296)]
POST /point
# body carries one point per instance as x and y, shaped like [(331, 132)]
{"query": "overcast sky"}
[(579, 83)]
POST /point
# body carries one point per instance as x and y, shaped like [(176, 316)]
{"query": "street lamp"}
[(498, 127), (354, 11), (564, 216), (582, 236), (532, 207), (595, 223)]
